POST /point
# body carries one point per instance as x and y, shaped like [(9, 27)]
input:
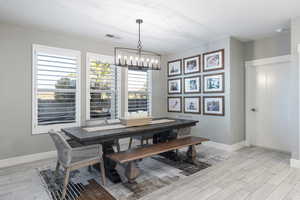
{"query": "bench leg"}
[(132, 171), (192, 154)]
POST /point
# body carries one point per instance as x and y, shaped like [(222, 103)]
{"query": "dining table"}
[(160, 129)]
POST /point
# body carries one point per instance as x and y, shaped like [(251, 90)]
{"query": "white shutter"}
[(56, 74), (139, 91), (102, 87)]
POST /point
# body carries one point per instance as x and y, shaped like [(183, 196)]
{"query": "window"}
[(139, 91), (101, 87), (56, 88)]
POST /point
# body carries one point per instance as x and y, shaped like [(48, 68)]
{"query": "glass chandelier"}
[(137, 59)]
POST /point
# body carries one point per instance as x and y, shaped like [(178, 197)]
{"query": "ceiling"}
[(169, 25)]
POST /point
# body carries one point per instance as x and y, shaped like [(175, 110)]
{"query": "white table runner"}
[(118, 126)]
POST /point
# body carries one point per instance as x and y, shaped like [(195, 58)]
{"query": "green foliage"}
[(102, 71)]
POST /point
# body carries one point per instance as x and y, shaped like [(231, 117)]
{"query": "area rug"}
[(156, 172)]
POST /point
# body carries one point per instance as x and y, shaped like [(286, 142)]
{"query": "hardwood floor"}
[(252, 173), (248, 174), (94, 192)]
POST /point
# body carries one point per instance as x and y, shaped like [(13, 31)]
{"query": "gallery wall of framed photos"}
[(196, 84)]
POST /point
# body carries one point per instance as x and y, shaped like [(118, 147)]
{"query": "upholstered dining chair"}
[(74, 158)]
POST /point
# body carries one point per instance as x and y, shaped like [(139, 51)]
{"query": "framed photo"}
[(174, 86), (213, 60), (174, 104), (174, 68), (192, 105), (214, 83), (192, 64), (192, 84), (214, 105)]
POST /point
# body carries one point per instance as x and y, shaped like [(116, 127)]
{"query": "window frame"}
[(40, 129), (117, 91), (149, 91)]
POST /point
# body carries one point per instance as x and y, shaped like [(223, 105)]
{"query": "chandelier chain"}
[(140, 45)]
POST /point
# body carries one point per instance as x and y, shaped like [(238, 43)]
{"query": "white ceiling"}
[(169, 25)]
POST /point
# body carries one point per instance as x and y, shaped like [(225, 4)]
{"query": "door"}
[(267, 103)]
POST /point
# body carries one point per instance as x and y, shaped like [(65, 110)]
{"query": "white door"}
[(267, 101)]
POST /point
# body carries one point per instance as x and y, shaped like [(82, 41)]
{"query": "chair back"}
[(64, 150)]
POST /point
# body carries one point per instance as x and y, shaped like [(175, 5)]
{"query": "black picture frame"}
[(197, 58), (180, 84), (180, 100), (199, 104), (180, 67), (222, 103), (192, 77)]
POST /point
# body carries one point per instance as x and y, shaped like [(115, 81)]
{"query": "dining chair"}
[(74, 158)]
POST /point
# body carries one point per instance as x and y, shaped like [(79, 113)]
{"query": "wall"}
[(295, 40), (237, 91), (15, 85), (215, 128), (276, 45)]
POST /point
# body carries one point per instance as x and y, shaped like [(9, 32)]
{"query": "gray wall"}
[(15, 85), (237, 91), (295, 40), (215, 128), (276, 45), (229, 129)]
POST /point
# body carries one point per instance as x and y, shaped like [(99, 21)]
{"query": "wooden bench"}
[(128, 158)]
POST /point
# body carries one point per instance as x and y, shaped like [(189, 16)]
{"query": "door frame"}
[(250, 66)]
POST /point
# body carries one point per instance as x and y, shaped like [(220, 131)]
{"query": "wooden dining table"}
[(108, 134)]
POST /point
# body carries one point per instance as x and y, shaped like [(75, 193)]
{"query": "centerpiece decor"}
[(139, 118)]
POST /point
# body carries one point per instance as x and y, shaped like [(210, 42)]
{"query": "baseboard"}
[(26, 159), (295, 163), (225, 147)]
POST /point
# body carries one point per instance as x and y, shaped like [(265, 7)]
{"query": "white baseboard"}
[(294, 163), (225, 147), (26, 159)]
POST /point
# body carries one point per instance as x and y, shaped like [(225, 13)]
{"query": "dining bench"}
[(128, 158)]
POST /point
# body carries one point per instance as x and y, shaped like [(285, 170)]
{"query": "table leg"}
[(164, 137), (111, 172)]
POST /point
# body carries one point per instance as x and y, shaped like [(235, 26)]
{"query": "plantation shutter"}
[(102, 87), (139, 91), (56, 88)]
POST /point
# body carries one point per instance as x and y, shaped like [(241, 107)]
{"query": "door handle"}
[(253, 109)]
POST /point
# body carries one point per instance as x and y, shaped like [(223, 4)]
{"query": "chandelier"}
[(137, 59)]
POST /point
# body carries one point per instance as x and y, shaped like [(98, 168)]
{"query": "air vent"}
[(110, 36)]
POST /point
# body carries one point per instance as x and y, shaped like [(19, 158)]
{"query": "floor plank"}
[(250, 173)]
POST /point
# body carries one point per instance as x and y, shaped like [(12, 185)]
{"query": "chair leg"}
[(66, 181), (57, 169), (103, 176), (130, 143)]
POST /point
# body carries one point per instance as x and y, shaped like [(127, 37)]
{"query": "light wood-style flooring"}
[(250, 173)]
